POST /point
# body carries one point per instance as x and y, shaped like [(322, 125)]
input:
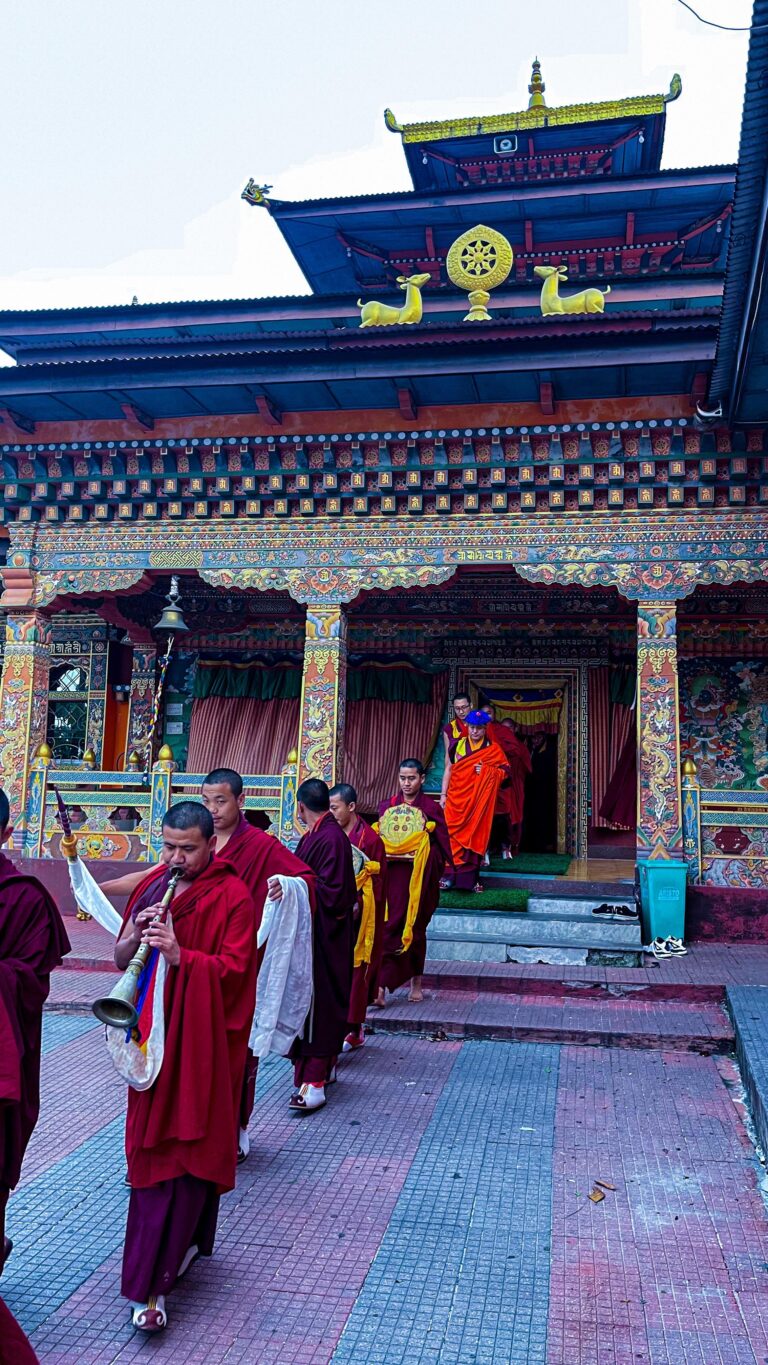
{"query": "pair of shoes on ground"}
[(628, 911), (666, 947)]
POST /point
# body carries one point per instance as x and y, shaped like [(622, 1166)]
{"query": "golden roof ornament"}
[(537, 87), (479, 261), (553, 304), (375, 314)]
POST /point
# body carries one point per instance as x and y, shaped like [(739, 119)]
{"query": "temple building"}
[(512, 442)]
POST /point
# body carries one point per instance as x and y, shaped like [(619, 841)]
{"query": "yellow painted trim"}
[(637, 106)]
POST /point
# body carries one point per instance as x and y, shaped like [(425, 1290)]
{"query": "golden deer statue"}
[(373, 314), (586, 301)]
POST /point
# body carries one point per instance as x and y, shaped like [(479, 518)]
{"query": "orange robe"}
[(471, 798)]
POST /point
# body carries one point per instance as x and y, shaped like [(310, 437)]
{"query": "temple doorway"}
[(544, 708)]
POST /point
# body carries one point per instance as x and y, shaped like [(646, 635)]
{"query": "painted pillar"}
[(323, 692), (143, 683), (659, 807), (23, 704)]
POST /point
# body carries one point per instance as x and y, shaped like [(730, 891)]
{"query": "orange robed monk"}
[(478, 768)]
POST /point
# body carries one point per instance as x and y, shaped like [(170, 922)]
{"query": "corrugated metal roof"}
[(743, 279)]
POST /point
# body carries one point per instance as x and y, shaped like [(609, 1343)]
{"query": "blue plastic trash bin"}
[(662, 897)]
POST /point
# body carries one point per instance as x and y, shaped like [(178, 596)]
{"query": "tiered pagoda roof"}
[(579, 186)]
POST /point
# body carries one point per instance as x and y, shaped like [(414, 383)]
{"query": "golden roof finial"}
[(537, 87)]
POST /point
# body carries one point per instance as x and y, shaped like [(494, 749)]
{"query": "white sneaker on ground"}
[(243, 1145), (658, 948), (676, 947)]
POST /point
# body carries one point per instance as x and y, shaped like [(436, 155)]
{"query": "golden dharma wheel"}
[(478, 261), (400, 823)]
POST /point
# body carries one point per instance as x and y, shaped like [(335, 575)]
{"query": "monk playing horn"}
[(181, 1133)]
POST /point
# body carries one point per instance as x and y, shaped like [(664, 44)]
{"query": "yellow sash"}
[(415, 846), (367, 931)]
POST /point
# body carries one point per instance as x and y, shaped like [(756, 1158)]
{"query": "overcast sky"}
[(130, 129)]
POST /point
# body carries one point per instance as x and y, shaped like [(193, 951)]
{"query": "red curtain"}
[(244, 733), (599, 727), (378, 734), (610, 725)]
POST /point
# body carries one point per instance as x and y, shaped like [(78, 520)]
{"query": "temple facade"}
[(492, 450)]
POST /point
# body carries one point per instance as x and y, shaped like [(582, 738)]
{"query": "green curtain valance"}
[(378, 682), (262, 682), (265, 682)]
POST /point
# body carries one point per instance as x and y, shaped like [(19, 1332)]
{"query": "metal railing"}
[(119, 815)]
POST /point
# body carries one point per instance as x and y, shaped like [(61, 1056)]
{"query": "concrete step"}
[(562, 931), (577, 907), (670, 980), (615, 1022)]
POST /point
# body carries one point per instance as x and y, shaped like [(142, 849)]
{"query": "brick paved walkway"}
[(436, 1213)]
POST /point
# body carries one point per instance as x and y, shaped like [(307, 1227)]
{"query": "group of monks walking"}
[(370, 893)]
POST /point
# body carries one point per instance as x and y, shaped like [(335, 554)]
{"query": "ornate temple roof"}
[(614, 137)]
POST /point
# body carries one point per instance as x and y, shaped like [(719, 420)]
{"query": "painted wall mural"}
[(724, 721)]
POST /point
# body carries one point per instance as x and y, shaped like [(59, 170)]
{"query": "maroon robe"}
[(255, 857), (14, 1346), (32, 942), (181, 1133), (620, 801), (327, 852), (365, 978), (397, 966)]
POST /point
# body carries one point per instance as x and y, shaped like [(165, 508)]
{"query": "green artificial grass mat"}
[(537, 864), (492, 898)]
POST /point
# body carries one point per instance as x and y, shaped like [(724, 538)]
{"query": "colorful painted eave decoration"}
[(619, 467)]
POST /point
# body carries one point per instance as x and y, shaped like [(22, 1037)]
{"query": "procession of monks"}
[(371, 891)]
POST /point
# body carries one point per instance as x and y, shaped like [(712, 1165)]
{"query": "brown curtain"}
[(244, 733), (379, 733)]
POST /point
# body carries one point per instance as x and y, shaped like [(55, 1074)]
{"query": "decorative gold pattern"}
[(539, 117), (478, 261)]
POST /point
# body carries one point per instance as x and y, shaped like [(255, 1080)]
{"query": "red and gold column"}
[(659, 805), (23, 702), (323, 692)]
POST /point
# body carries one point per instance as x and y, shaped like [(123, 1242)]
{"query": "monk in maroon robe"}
[(255, 857), (326, 850), (14, 1346), (365, 977), (510, 802), (454, 729), (400, 965), (32, 943), (181, 1133)]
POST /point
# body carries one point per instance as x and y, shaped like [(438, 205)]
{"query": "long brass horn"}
[(118, 1009)]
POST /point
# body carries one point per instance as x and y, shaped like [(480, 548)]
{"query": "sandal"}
[(150, 1316)]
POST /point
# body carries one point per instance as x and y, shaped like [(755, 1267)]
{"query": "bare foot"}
[(415, 994), (380, 1001)]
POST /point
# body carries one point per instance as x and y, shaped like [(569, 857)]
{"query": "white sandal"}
[(150, 1316)]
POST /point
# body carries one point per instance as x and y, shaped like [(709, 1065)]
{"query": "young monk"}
[(32, 942), (405, 944), (478, 768), (326, 849), (365, 976), (181, 1133), (255, 857), (454, 729)]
